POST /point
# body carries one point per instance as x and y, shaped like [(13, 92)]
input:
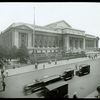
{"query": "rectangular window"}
[(24, 39)]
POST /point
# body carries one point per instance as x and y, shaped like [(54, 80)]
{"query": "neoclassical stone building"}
[(50, 38)]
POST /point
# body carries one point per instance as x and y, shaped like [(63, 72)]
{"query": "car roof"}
[(84, 65), (56, 85), (69, 69), (50, 78)]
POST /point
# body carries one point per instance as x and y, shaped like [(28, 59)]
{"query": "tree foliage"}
[(13, 52), (8, 53), (23, 54), (3, 52)]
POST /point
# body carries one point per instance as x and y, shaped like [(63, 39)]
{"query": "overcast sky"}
[(83, 16)]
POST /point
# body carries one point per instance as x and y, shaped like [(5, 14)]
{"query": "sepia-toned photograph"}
[(49, 50)]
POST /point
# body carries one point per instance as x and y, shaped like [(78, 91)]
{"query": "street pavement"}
[(30, 68), (82, 85)]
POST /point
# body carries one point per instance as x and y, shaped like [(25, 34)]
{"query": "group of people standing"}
[(36, 64), (2, 66)]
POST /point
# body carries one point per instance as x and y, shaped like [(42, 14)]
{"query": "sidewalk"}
[(31, 68), (92, 95)]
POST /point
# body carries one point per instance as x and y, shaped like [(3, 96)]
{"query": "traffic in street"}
[(83, 85)]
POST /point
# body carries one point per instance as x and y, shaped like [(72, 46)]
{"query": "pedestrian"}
[(2, 71), (43, 66), (96, 55), (3, 76), (3, 85), (89, 56), (6, 72), (92, 57), (98, 90), (55, 61), (76, 66), (75, 95), (66, 96), (36, 66), (49, 61)]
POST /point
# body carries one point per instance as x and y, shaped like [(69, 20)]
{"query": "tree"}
[(4, 52), (3, 55), (13, 53), (23, 54)]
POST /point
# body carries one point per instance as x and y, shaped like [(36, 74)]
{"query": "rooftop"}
[(55, 27)]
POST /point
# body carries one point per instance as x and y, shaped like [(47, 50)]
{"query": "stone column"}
[(33, 37), (16, 38), (95, 43), (78, 44), (66, 43), (84, 43), (29, 40), (73, 44), (13, 38)]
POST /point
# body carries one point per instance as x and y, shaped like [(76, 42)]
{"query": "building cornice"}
[(70, 31)]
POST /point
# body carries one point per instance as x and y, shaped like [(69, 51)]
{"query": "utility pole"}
[(33, 36)]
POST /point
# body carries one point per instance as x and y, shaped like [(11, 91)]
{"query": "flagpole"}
[(34, 18), (34, 28)]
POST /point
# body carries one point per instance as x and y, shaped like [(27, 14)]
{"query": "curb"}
[(48, 67)]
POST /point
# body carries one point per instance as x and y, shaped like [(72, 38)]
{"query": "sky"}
[(84, 16)]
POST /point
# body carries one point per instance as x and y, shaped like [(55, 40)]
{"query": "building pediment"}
[(24, 27), (59, 25)]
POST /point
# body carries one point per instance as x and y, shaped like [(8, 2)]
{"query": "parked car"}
[(83, 70), (68, 74)]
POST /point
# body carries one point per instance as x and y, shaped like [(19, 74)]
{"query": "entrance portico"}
[(73, 43)]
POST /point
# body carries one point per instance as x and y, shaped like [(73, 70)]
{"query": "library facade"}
[(54, 37)]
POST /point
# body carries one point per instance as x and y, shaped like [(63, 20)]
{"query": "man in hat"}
[(4, 85), (36, 65), (75, 95), (3, 77), (98, 90)]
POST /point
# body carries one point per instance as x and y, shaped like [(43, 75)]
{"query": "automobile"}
[(56, 90), (68, 74), (84, 69), (33, 87), (37, 85)]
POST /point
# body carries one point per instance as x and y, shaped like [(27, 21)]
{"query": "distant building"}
[(50, 38)]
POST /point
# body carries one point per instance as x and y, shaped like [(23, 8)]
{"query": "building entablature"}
[(88, 36), (73, 31), (43, 48)]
